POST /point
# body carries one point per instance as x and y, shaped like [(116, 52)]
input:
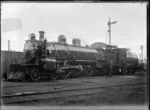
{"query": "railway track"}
[(46, 83), (55, 94), (27, 84)]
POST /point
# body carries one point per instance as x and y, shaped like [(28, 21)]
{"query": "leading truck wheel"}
[(53, 75), (35, 75)]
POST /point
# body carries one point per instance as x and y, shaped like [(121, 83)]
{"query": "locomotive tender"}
[(62, 60)]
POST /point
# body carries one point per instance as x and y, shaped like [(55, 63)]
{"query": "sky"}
[(87, 21)]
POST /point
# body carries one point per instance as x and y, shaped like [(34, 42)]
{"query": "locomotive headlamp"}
[(32, 36)]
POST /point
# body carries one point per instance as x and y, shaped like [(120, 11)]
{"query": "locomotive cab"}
[(112, 49), (111, 54)]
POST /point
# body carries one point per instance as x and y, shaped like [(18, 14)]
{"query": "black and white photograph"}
[(74, 55)]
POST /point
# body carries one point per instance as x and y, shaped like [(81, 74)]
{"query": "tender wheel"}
[(53, 75), (35, 75)]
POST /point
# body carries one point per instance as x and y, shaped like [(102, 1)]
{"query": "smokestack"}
[(41, 35)]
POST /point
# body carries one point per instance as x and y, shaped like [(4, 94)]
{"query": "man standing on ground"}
[(110, 67), (124, 67)]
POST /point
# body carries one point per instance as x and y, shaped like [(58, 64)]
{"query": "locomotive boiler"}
[(62, 60)]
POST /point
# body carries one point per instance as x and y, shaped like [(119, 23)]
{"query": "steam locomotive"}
[(61, 60)]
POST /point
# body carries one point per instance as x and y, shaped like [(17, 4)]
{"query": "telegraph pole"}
[(109, 31), (8, 45), (142, 47), (109, 24)]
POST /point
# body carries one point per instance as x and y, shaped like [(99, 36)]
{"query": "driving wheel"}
[(35, 75)]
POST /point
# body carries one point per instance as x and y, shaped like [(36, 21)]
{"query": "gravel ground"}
[(124, 96), (9, 88)]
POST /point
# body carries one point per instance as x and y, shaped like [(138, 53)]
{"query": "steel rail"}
[(40, 83), (54, 91)]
